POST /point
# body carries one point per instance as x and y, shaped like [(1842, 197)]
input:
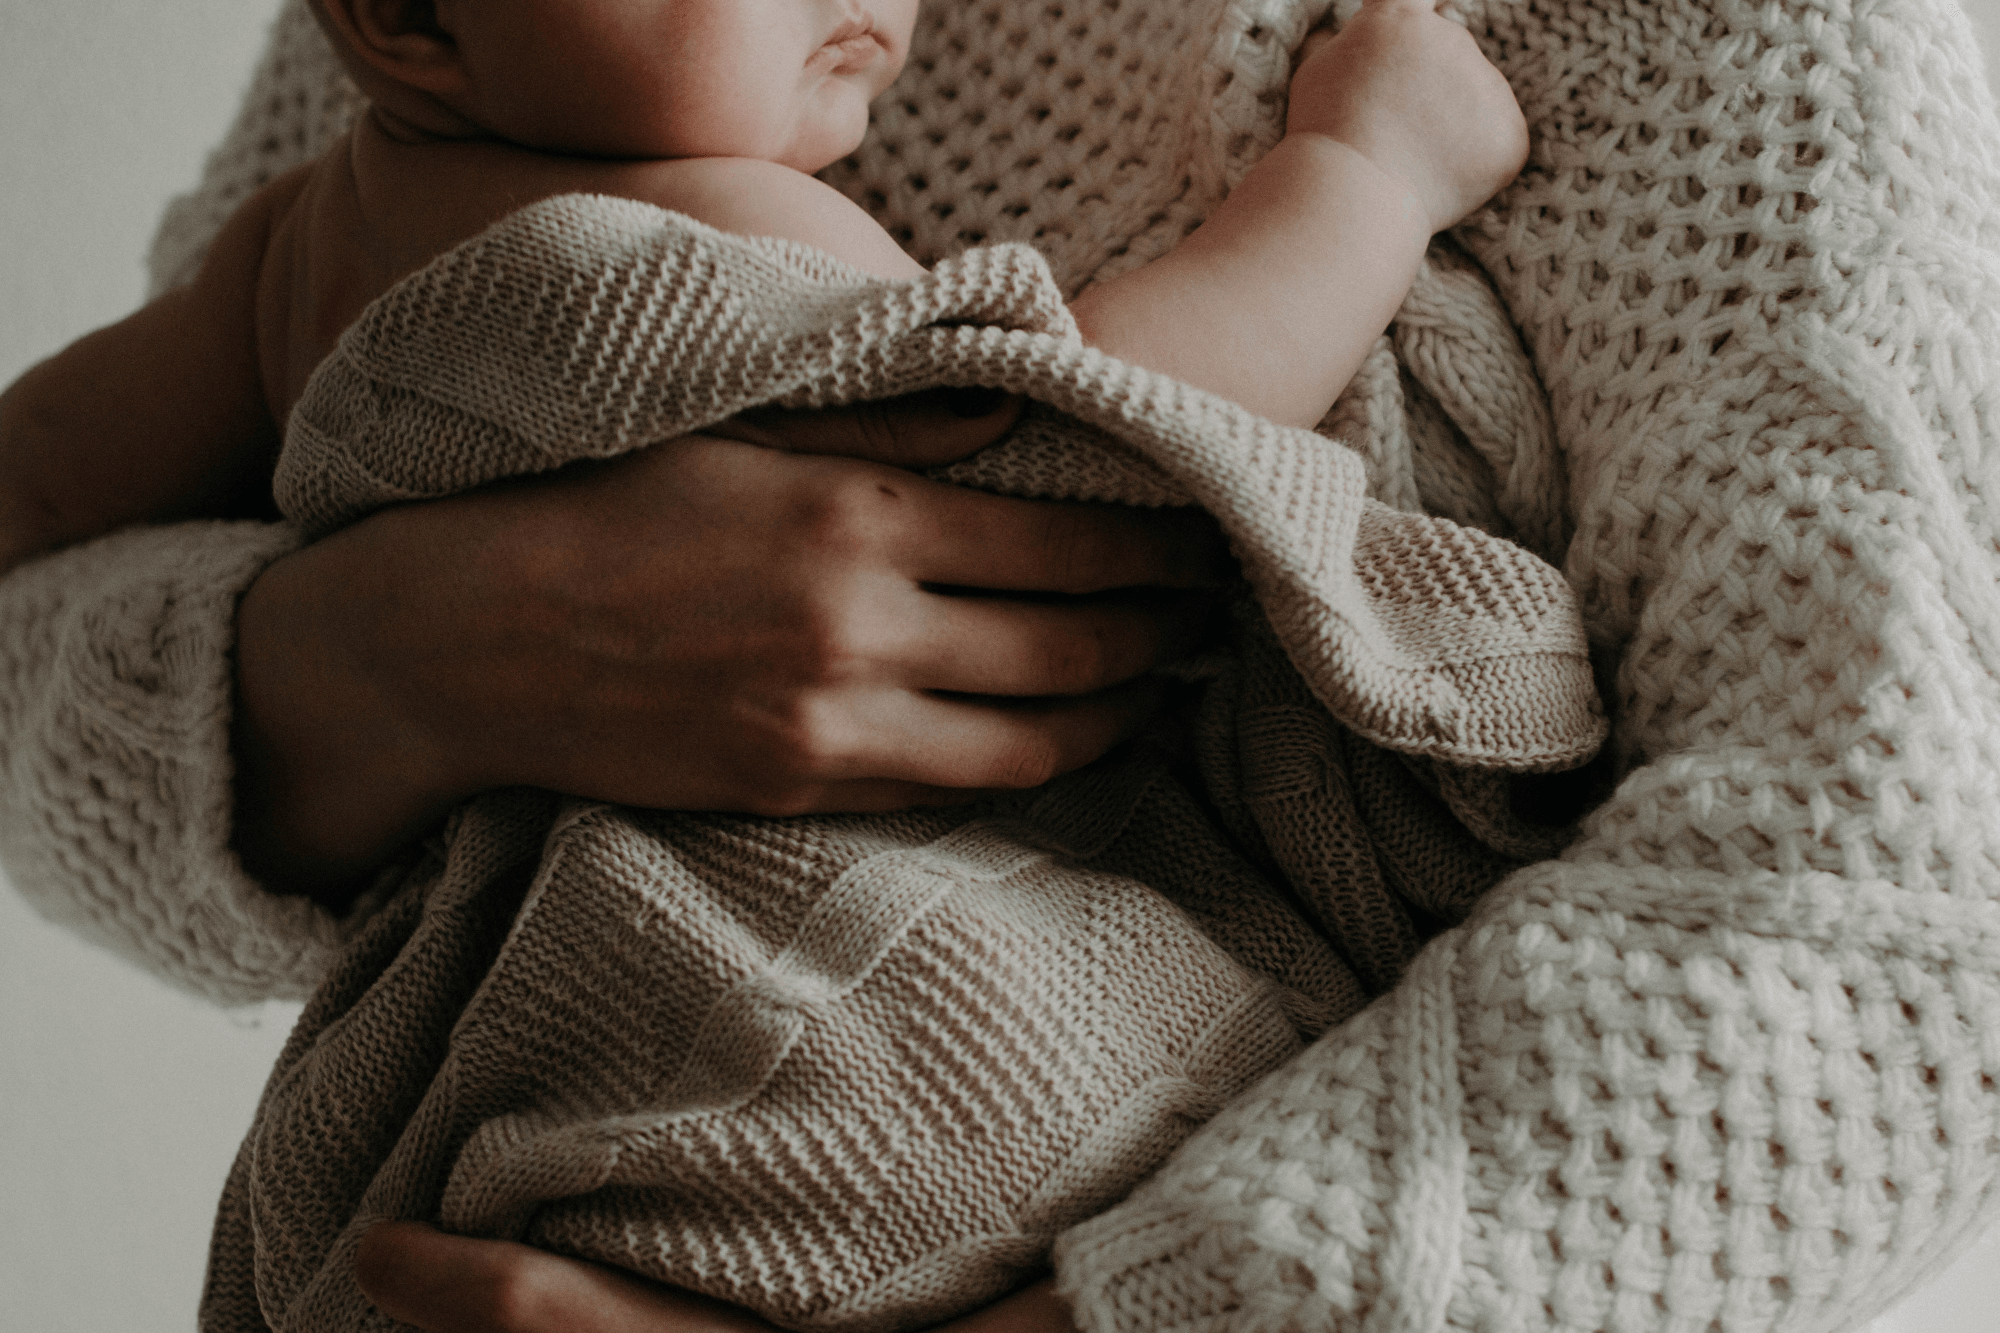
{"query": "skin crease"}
[(1395, 101), (511, 635)]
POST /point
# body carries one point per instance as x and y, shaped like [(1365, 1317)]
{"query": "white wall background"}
[(121, 1101)]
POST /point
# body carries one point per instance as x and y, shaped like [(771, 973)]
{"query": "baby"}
[(720, 110)]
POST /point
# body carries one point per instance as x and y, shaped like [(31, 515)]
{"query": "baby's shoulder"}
[(422, 199), (756, 198)]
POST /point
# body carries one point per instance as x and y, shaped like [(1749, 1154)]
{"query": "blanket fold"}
[(860, 1073), (1723, 1064), (584, 327), (1727, 1063)]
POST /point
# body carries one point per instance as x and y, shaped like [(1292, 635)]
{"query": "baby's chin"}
[(824, 145), (813, 141)]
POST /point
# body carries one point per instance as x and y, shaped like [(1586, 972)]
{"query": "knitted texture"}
[(1728, 1064), (116, 675), (853, 1073), (115, 695), (857, 1073), (584, 327)]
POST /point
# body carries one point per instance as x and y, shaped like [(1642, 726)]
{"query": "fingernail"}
[(974, 401)]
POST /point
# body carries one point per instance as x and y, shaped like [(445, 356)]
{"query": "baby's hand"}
[(1411, 92)]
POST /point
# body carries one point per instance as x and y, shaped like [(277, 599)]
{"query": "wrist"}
[(1357, 170), (332, 777)]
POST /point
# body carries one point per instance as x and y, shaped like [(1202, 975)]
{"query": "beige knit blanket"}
[(1729, 1063), (858, 1073)]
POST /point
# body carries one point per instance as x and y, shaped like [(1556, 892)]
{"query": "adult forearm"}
[(704, 624), (331, 779)]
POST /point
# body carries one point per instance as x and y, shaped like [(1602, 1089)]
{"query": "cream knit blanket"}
[(1727, 1064), (858, 1073)]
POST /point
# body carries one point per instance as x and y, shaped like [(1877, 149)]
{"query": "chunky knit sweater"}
[(857, 1073), (1726, 1063)]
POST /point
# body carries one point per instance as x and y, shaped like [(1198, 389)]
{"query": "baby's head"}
[(783, 80)]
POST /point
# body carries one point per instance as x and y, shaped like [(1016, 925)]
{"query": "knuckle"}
[(1075, 550), (843, 519), (803, 743), (830, 641), (1029, 761), (1080, 662), (518, 1299)]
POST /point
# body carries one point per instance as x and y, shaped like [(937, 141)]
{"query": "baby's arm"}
[(159, 416), (754, 198), (1397, 128)]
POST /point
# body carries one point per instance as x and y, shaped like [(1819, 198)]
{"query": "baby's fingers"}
[(1316, 41), (1322, 36)]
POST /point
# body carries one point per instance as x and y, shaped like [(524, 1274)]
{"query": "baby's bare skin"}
[(390, 199), (1396, 129)]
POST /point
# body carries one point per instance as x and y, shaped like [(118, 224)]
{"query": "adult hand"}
[(706, 624), (452, 1284)]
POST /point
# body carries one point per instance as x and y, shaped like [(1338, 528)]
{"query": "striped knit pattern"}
[(1725, 1065), (864, 1094)]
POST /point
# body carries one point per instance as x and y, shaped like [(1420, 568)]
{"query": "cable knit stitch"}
[(1729, 1063), (798, 1110), (115, 695)]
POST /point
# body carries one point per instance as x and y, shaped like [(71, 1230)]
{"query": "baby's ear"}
[(402, 39)]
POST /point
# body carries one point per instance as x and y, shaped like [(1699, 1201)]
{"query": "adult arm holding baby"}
[(1397, 129), (805, 662), (371, 641), (379, 685)]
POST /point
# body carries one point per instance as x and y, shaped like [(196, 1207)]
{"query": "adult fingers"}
[(1023, 649), (454, 1284), (970, 539), (947, 743), (920, 430), (952, 535)]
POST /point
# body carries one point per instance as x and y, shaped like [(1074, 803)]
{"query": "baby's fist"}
[(1411, 92)]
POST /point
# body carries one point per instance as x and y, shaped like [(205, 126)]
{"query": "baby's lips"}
[(851, 48)]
